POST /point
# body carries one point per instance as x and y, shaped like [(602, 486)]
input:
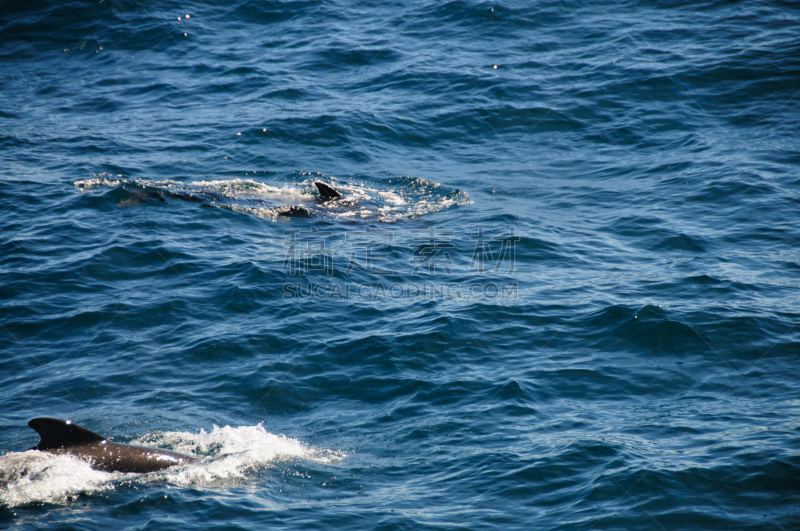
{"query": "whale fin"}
[(59, 433), (326, 192)]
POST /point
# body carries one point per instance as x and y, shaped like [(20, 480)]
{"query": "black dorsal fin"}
[(59, 433), (326, 192)]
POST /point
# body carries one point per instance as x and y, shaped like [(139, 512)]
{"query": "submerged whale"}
[(208, 198), (60, 436)]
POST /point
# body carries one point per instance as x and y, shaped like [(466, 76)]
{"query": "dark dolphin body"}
[(63, 437)]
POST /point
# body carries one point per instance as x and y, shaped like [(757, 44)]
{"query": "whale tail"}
[(326, 192), (58, 433)]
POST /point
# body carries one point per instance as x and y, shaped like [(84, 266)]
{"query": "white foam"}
[(233, 452), (101, 179), (39, 477), (241, 187)]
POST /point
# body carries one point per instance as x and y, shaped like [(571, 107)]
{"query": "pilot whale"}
[(208, 198), (60, 436)]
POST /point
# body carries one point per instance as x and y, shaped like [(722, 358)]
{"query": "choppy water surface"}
[(560, 289)]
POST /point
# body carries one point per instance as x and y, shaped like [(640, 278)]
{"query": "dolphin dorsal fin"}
[(59, 433), (326, 192)]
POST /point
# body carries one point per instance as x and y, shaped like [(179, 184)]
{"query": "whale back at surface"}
[(64, 437)]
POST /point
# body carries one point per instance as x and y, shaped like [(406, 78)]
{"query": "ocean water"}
[(561, 289)]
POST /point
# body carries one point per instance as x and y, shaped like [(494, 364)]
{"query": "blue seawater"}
[(561, 291)]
